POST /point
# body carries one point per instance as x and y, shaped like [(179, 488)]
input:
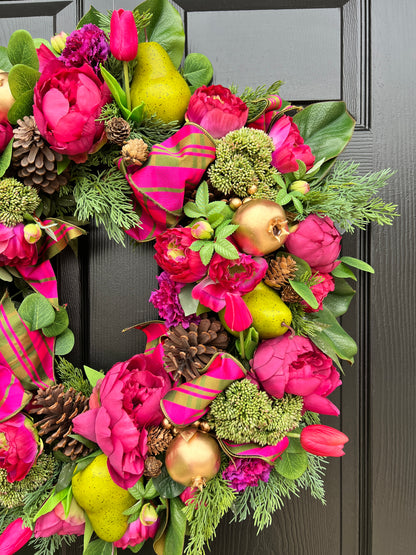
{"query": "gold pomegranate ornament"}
[(192, 459), (263, 227)]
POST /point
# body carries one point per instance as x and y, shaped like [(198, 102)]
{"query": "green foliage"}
[(293, 462), (165, 486), (5, 159), (50, 545), (15, 200), (303, 325), (36, 311), (175, 534), (197, 70), (256, 99), (71, 376), (153, 130), (313, 477), (65, 342)]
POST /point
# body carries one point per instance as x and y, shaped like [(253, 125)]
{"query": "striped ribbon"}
[(63, 233), (189, 401), (154, 330), (12, 395), (268, 453), (28, 354), (159, 187)]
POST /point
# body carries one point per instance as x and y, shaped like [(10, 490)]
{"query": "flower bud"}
[(148, 515), (323, 441), (58, 42), (32, 233), (202, 230), (301, 186)]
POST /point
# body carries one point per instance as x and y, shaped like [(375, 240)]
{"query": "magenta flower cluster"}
[(244, 473)]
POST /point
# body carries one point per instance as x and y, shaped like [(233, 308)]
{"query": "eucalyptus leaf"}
[(305, 292), (357, 263), (175, 534), (21, 49), (188, 303), (58, 325), (23, 106), (342, 271), (293, 462), (36, 311), (339, 300), (5, 64), (197, 70), (165, 486), (64, 343)]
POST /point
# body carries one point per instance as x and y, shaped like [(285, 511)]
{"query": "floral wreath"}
[(247, 203)]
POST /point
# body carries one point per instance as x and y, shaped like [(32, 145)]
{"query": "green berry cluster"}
[(16, 199)]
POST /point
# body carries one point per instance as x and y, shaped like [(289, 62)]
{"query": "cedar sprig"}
[(153, 131), (253, 97), (304, 325), (71, 376)]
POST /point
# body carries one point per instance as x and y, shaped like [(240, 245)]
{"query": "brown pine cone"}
[(280, 271), (58, 407), (117, 131), (135, 152), (158, 440), (152, 467), (289, 295), (36, 163), (187, 352)]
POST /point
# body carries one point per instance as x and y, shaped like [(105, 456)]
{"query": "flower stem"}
[(292, 434), (127, 84), (243, 353)]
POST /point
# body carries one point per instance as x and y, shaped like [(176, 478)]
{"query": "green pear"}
[(158, 84), (102, 499), (268, 310)]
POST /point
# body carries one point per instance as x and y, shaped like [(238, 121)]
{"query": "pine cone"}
[(134, 152), (158, 440), (289, 295), (188, 351), (58, 407), (117, 130), (152, 467), (36, 163), (280, 271)]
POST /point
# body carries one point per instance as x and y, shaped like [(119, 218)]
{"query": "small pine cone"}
[(36, 163), (187, 352), (289, 295), (134, 152), (58, 408), (158, 440), (152, 467), (117, 131), (280, 271)]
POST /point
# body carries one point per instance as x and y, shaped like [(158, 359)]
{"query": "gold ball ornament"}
[(263, 227), (193, 462)]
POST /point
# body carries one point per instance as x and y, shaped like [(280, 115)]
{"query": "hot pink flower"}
[(6, 133), (14, 249), (188, 494), (175, 257), (123, 35), (67, 103), (323, 441), (55, 522), (294, 365), (45, 55), (320, 291), (18, 446), (140, 530), (14, 536), (12, 393), (129, 397), (289, 146), (317, 241), (217, 110)]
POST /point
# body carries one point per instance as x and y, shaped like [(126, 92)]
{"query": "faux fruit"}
[(193, 461), (102, 499), (158, 84), (6, 97), (262, 227), (268, 310)]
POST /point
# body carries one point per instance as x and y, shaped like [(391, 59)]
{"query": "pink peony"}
[(125, 401), (6, 134), (217, 110), (244, 473), (55, 522), (14, 536), (294, 365), (67, 103), (12, 393), (175, 257), (140, 530), (317, 241), (14, 249), (323, 441), (289, 146), (320, 290), (18, 446)]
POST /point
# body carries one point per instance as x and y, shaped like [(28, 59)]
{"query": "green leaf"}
[(52, 502), (21, 49), (5, 275), (226, 249), (5, 64), (134, 510), (297, 204), (197, 70), (206, 252), (165, 27), (293, 462), (175, 535), (81, 439), (202, 197), (115, 88), (65, 476), (251, 341), (302, 267), (85, 461), (136, 115), (36, 311), (192, 211), (99, 547), (136, 548), (305, 292), (201, 309), (6, 158), (39, 41), (333, 338), (357, 263), (63, 164), (159, 541), (165, 486), (196, 246), (137, 490), (226, 231), (342, 271), (300, 172), (283, 198), (219, 207), (339, 300), (92, 16), (23, 106), (215, 219), (64, 343), (58, 325), (88, 532), (150, 492), (92, 375), (188, 303)]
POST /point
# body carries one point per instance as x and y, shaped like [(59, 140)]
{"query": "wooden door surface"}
[(360, 51)]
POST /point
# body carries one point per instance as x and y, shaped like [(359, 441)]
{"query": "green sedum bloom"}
[(16, 199)]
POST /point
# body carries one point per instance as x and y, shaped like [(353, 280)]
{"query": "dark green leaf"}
[(206, 252), (302, 267), (92, 375), (188, 303), (21, 49), (99, 547), (6, 157), (334, 336), (5, 64), (293, 462), (175, 535), (58, 325), (65, 476), (36, 311), (339, 300), (63, 164), (226, 249), (92, 16), (23, 106), (342, 271), (84, 462), (356, 263), (90, 444), (159, 541), (115, 89), (197, 70), (305, 292), (64, 343), (165, 486)]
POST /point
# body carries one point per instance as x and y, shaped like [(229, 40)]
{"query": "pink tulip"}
[(123, 35), (55, 522), (323, 441), (15, 536)]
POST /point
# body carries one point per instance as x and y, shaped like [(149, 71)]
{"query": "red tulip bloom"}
[(323, 441), (123, 35), (15, 536)]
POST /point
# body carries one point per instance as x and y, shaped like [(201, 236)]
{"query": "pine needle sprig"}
[(154, 131), (313, 477), (306, 327), (51, 544), (74, 377), (109, 111), (253, 97)]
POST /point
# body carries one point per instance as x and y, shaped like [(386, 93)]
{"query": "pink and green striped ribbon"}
[(28, 354), (268, 453), (63, 232), (13, 396), (188, 402), (159, 186)]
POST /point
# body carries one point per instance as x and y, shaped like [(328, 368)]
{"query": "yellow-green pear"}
[(102, 499), (268, 310), (158, 84)]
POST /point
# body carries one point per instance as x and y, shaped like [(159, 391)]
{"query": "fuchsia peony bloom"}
[(18, 446), (175, 257), (123, 35), (320, 290), (55, 522), (12, 394), (88, 45), (317, 241), (244, 473), (6, 134), (140, 530), (289, 146), (125, 401), (67, 103), (294, 365), (14, 249), (14, 536), (217, 110), (323, 441)]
